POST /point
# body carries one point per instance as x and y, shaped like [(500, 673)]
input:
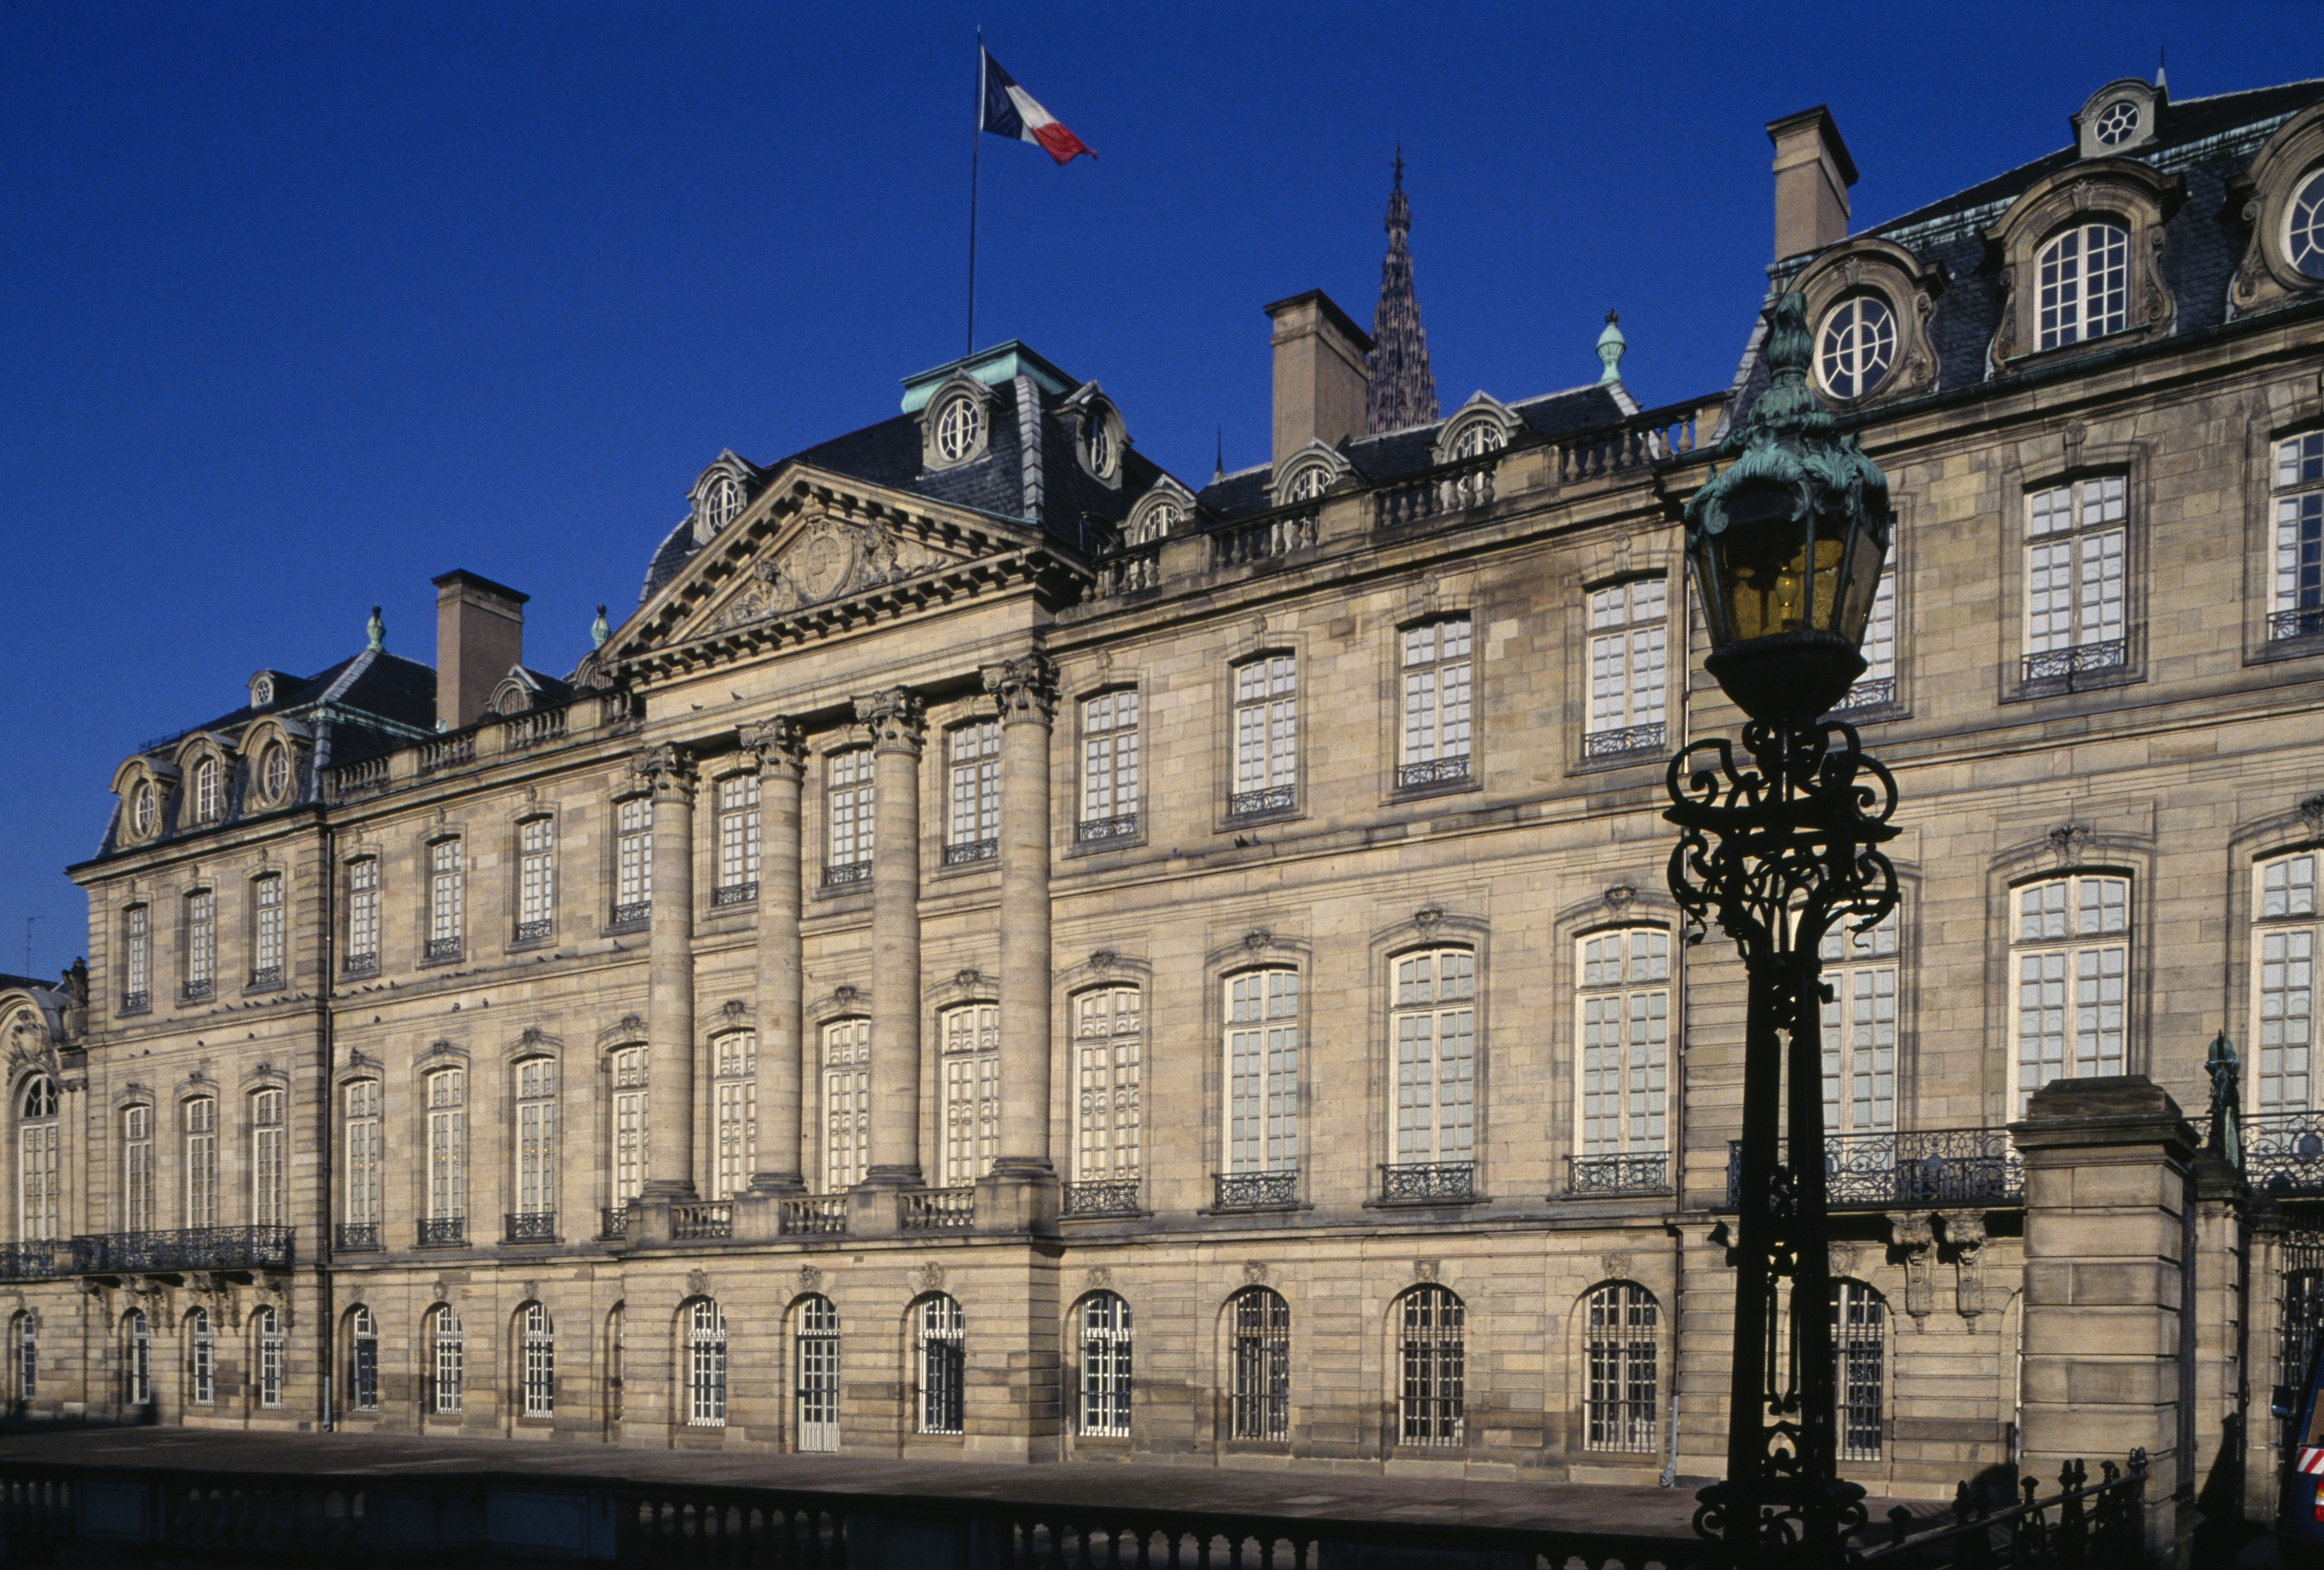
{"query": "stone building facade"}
[(1006, 954)]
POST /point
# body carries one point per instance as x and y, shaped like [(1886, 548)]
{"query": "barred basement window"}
[(363, 917), (536, 901), (1110, 767), (734, 1091), (201, 1117), (1859, 1349), (447, 1361), (629, 1124), (1433, 1022), (943, 1340), (1859, 1029), (633, 861), (539, 1353), (1266, 736), (849, 796), (201, 947), (1435, 702), (266, 932), (201, 1359), (1259, 1391), (2077, 546), (738, 840), (2297, 609), (1429, 1404), (362, 1360), (447, 1149), (136, 1359), (706, 1365), (2284, 951), (2072, 938), (1621, 1410), (1263, 1068), (1105, 1365), (447, 898), (537, 1164), (970, 1063), (818, 1375), (38, 1195), (266, 1326), (2084, 279), (363, 1154), (1108, 1033), (846, 1103), (1628, 668), (137, 1169), (973, 834), (269, 1204)]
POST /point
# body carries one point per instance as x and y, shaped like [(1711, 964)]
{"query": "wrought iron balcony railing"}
[(2063, 665), (817, 1214), (2300, 622), (439, 949), (1435, 773), (193, 1247), (704, 1218), (1274, 798), (443, 1232), (535, 931), (1100, 830), (969, 852), (1872, 692), (612, 1223), (530, 1226), (1256, 1190), (357, 1237), (34, 1261), (846, 874), (935, 1209), (198, 992), (735, 894), (1632, 1172), (2283, 1152), (135, 1003), (1625, 741), (1110, 1197), (267, 978), (362, 965), (635, 914), (1409, 1182), (1930, 1167)]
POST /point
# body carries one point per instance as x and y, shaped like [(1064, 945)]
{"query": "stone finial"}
[(776, 743), (1027, 687), (897, 718), (598, 631), (1610, 345), (374, 631)]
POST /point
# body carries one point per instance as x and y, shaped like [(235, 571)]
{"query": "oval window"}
[(959, 424), (1857, 347), (274, 771), (142, 810), (2303, 226)]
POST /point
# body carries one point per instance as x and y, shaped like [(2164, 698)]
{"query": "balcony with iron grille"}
[(846, 874), (1435, 774), (531, 1226), (359, 965), (1242, 1191), (1613, 1176), (1428, 1183), (1930, 1167), (612, 1223), (1109, 1196), (535, 931), (440, 951), (968, 853), (193, 1247), (39, 1261), (356, 1237), (1264, 803), (2300, 622), (1625, 743), (443, 1232), (2283, 1154), (634, 917), (727, 895), (198, 992), (1106, 831), (2084, 665)]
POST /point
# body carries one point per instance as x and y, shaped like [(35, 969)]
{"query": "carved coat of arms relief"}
[(827, 559)]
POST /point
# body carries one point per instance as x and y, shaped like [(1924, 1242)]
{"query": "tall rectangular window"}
[(536, 880), (1629, 657), (363, 917), (1267, 736), (39, 1189), (201, 1116), (2296, 602), (1109, 1038), (447, 897), (447, 1145), (633, 860), (137, 1169), (1263, 1071), (970, 1056), (734, 1094), (363, 1153), (973, 831), (1859, 1029), (1622, 1407), (846, 1103), (738, 840), (2076, 544), (266, 932), (536, 1137), (2071, 943), (1625, 1032), (1110, 778), (136, 959), (848, 801), (1877, 688), (1436, 703), (201, 947), (2283, 950), (630, 1150), (1434, 1024), (269, 1204)]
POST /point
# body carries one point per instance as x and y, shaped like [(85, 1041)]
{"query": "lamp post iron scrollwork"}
[(1778, 846)]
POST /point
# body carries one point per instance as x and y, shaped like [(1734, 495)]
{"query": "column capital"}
[(897, 718), (667, 768), (1027, 687), (778, 744)]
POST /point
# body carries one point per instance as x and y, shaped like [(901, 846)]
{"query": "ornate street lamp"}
[(1785, 545)]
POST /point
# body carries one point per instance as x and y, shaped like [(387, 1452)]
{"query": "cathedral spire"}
[(1401, 391)]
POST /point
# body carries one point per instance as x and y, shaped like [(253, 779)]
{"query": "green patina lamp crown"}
[(1787, 543)]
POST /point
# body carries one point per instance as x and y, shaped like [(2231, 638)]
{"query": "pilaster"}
[(669, 772), (1022, 1190), (778, 749), (898, 731)]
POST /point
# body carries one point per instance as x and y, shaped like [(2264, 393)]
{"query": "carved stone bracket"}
[(668, 770), (897, 718), (1916, 1235), (1965, 1230), (2311, 812), (1026, 688), (776, 743)]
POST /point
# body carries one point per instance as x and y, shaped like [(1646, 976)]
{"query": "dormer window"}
[(262, 692), (2117, 124), (209, 791), (960, 427), (144, 809), (2303, 226), (1306, 485), (2084, 284), (1857, 346), (275, 772), (1477, 439), (722, 504), (1097, 447)]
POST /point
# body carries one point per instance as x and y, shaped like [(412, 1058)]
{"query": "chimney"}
[(1320, 374), (1812, 174), (479, 638)]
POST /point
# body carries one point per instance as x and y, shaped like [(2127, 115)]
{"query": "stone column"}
[(2265, 1225), (781, 754), (670, 986), (2107, 1191), (1021, 1191), (898, 731)]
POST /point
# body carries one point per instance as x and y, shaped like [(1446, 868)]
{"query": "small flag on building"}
[(1008, 110)]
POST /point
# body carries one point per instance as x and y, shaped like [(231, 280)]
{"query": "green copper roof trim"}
[(1610, 345), (1003, 362)]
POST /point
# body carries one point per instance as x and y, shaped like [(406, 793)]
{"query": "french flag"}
[(1006, 109)]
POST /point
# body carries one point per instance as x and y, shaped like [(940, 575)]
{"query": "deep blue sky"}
[(301, 305)]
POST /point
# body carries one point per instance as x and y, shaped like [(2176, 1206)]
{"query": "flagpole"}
[(975, 145)]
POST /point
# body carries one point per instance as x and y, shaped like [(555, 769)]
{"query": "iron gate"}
[(2303, 1301)]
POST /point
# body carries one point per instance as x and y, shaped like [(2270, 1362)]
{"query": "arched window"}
[(629, 1130), (137, 1169), (448, 1158), (1621, 1405), (38, 1195), (1478, 438), (1859, 1348), (539, 1354), (705, 1364), (1109, 1034), (25, 1343), (1624, 1031), (536, 1150), (941, 1332), (137, 1358), (2283, 953), (200, 1116), (721, 503), (818, 1374), (1432, 1022), (201, 1359), (970, 1059), (145, 809), (734, 1092), (209, 793), (266, 1330), (1154, 522), (1258, 1384), (1434, 1366), (2084, 282), (362, 1360), (846, 1103), (1104, 1320), (268, 1203), (2073, 943), (1306, 483), (447, 1353)]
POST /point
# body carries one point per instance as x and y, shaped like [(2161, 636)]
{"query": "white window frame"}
[(536, 879), (972, 792), (538, 1164), (270, 1201), (209, 791), (201, 1358), (137, 959), (137, 1358), (846, 1102), (537, 1349), (1622, 1369), (738, 840), (2287, 934), (850, 799), (705, 1364), (447, 900), (1104, 1321), (1432, 1036), (2088, 262), (968, 1061), (201, 945), (1261, 1062), (2077, 576), (1859, 1351), (1433, 1363), (449, 1358), (363, 915), (1877, 688), (1856, 346), (266, 1329), (634, 826), (940, 1332), (447, 1102), (1259, 1366), (1110, 766), (360, 1101), (1265, 736), (1109, 1051), (1860, 1023), (2296, 571), (1630, 667), (39, 1191), (734, 1111), (198, 1121), (1437, 680), (630, 1123), (362, 1360), (817, 1346), (266, 945), (2069, 977), (137, 1167), (1623, 996)]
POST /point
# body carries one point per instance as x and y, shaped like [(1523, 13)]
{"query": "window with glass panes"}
[(2083, 283), (735, 1107), (449, 1360), (1108, 1049), (1435, 703), (266, 932), (2296, 601), (1433, 1025), (1433, 1344), (1629, 656), (267, 1325), (848, 801), (972, 829), (629, 1070), (539, 1363), (363, 915), (706, 1365), (362, 1360), (1859, 1029), (39, 1197), (1624, 1004), (969, 1059), (201, 945), (1859, 1349), (2077, 573), (536, 1136), (209, 791), (2071, 939), (536, 879), (1877, 688), (846, 1103), (363, 1152), (817, 1365), (447, 900), (201, 1130), (201, 1358), (2284, 992), (137, 1358), (1258, 1381), (1265, 736), (633, 859), (1262, 1064), (448, 1144), (1105, 1347), (269, 1204), (1621, 1409), (941, 1334), (738, 840), (137, 1169), (1109, 774), (137, 959)]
